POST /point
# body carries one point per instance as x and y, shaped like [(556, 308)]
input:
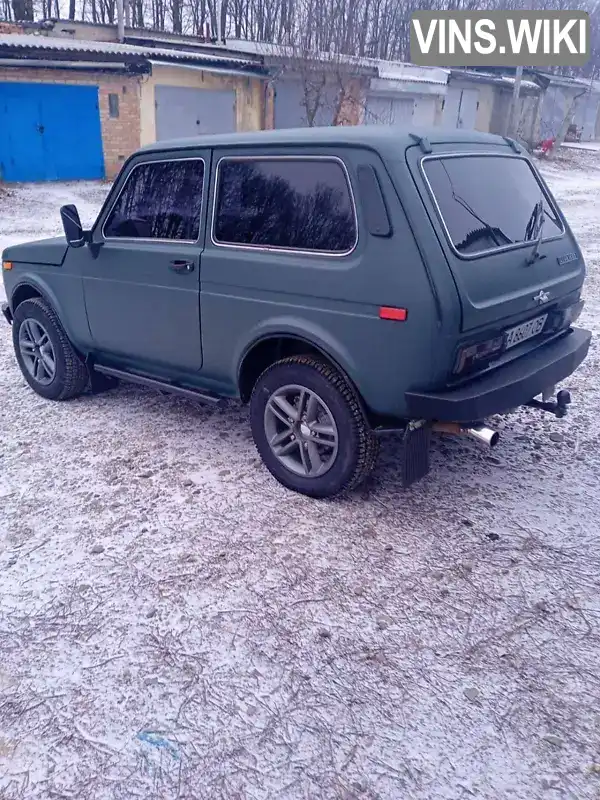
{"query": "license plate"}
[(524, 331)]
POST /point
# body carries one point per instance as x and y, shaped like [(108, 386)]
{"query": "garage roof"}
[(371, 67), (506, 81), (24, 44)]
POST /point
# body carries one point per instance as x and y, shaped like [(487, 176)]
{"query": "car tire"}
[(45, 355), (310, 428)]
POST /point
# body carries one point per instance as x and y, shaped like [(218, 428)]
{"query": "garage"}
[(386, 110), (460, 108), (49, 132), (183, 111), (291, 100)]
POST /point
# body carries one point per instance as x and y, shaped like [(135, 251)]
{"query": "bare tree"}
[(571, 108), (367, 28), (23, 10)]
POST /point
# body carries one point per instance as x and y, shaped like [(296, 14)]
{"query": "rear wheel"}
[(45, 355), (310, 429)]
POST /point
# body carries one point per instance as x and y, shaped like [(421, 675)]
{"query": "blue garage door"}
[(49, 132)]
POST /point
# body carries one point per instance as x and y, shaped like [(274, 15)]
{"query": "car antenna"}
[(422, 141)]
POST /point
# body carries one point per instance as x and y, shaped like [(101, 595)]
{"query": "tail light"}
[(572, 313), (476, 356)]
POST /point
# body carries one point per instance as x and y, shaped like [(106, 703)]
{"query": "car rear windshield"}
[(490, 202)]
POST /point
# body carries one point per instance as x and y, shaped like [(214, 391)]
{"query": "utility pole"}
[(120, 21), (512, 120)]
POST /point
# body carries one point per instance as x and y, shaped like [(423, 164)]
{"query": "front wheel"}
[(47, 358), (310, 429)]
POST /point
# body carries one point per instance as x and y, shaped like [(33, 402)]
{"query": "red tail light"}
[(472, 356)]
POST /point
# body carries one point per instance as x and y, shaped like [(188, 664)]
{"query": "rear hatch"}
[(512, 255)]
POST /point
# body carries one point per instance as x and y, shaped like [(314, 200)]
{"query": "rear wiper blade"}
[(538, 214), (468, 208)]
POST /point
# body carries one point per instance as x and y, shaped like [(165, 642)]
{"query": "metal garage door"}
[(290, 104), (182, 111), (460, 108), (382, 110), (49, 132)]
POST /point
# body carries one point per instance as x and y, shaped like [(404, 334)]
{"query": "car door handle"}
[(182, 266)]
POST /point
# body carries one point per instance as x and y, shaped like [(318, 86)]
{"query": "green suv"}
[(345, 282)]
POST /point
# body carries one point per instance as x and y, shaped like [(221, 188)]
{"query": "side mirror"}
[(72, 226)]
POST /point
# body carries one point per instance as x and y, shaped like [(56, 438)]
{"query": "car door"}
[(141, 274)]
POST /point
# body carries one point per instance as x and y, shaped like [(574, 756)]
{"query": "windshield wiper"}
[(458, 199), (537, 218)]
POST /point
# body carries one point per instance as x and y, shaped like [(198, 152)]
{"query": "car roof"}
[(372, 136)]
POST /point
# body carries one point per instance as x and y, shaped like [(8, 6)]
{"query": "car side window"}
[(285, 203), (159, 200)]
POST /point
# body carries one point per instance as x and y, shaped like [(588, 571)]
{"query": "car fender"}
[(303, 330), (46, 292)]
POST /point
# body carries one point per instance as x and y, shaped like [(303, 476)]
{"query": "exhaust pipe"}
[(484, 434), (481, 433)]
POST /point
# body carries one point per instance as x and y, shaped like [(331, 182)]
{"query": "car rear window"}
[(490, 202), (285, 203), (159, 200)]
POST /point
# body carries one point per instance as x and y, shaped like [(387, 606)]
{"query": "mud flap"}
[(415, 452), (100, 383)]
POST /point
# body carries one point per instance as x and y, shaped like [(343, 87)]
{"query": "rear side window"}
[(490, 202), (159, 200), (287, 204)]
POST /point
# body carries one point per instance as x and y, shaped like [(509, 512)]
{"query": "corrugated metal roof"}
[(479, 76), (564, 80), (54, 43), (386, 70), (255, 52), (524, 83)]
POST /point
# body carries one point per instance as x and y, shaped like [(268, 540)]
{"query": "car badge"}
[(542, 297), (567, 258)]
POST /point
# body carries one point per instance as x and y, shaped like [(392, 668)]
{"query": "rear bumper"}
[(507, 387), (7, 313)]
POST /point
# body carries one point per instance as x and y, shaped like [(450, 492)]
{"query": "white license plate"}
[(527, 330)]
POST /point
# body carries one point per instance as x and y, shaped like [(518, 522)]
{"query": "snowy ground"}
[(174, 624), (594, 146)]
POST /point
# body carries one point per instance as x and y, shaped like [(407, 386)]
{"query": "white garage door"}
[(292, 98), (424, 113), (460, 108), (183, 111), (381, 110)]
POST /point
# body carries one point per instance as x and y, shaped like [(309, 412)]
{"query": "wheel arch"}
[(25, 291), (268, 348), (29, 288)]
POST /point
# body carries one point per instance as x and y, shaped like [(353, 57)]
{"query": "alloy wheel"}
[(301, 431), (37, 351)]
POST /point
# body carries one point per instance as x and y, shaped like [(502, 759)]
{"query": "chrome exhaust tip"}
[(484, 435)]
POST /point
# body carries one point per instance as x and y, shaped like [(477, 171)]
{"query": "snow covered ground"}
[(594, 146), (174, 624)]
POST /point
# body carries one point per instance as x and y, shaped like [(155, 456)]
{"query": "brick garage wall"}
[(10, 27), (270, 108), (249, 103), (121, 135), (352, 104)]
